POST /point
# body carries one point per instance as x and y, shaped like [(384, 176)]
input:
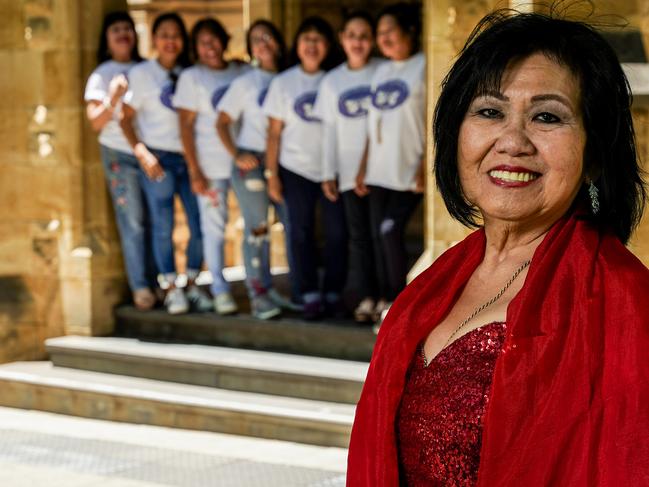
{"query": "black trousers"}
[(390, 212), (302, 196), (362, 277)]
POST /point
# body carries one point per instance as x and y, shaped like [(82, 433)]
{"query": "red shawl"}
[(569, 404)]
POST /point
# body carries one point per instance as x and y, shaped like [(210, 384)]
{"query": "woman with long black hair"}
[(116, 55), (200, 88), (294, 167), (392, 171), (148, 106), (343, 100)]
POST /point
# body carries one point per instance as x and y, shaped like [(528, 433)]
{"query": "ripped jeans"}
[(122, 172), (213, 208), (250, 188)]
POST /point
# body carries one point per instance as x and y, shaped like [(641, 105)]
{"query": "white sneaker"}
[(199, 299), (176, 302), (364, 311), (224, 304), (381, 309)]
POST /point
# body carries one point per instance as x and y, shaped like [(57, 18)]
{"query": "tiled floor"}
[(46, 449)]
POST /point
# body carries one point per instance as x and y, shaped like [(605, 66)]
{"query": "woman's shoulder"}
[(623, 266)]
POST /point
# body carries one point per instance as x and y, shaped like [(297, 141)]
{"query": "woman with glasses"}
[(243, 104)]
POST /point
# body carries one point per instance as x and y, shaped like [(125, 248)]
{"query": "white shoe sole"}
[(266, 315)]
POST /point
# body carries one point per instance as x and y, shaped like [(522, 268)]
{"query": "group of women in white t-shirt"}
[(341, 140)]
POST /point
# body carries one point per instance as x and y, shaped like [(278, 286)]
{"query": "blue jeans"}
[(160, 199), (302, 196), (250, 188), (213, 208), (122, 175)]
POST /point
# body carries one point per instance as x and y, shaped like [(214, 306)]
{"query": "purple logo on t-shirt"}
[(354, 102), (303, 106), (218, 94), (262, 96), (390, 94), (166, 96)]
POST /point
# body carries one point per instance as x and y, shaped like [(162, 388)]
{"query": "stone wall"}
[(60, 269)]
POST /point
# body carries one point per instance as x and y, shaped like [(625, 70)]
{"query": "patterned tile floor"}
[(45, 449)]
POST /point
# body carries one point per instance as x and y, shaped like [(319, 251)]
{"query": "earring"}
[(593, 192), (254, 62)]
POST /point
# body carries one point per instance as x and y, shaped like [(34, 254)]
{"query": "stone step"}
[(40, 386), (333, 339), (317, 378)]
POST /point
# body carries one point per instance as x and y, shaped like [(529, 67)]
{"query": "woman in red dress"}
[(519, 357)]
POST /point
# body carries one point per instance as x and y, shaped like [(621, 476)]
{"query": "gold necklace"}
[(481, 308)]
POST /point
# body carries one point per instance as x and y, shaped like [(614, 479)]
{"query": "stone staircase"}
[(284, 379)]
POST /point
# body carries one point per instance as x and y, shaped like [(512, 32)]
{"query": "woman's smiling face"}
[(521, 150)]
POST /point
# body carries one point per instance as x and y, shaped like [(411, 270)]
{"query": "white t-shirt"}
[(343, 100), (150, 94), (244, 101), (111, 134), (396, 124), (200, 90), (291, 96)]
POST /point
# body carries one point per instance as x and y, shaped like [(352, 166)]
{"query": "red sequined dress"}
[(439, 422)]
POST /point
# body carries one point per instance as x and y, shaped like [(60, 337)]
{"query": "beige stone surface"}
[(52, 193)]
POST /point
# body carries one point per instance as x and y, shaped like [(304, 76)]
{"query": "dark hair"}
[(334, 54), (610, 159), (276, 34), (112, 18), (183, 59), (408, 18), (358, 14), (214, 27)]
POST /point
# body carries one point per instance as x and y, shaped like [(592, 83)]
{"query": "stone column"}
[(60, 261), (447, 25)]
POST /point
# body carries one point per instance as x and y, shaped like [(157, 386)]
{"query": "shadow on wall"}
[(15, 298)]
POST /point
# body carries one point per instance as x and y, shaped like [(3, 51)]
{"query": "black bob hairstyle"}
[(212, 26), (610, 159), (103, 54), (317, 24), (275, 34), (183, 59)]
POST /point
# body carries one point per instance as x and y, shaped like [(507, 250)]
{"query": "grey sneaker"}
[(282, 301), (263, 308), (176, 302), (198, 299), (224, 304)]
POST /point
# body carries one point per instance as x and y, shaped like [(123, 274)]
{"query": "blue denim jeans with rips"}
[(122, 172)]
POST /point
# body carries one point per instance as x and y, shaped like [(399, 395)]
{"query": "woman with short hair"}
[(519, 357)]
